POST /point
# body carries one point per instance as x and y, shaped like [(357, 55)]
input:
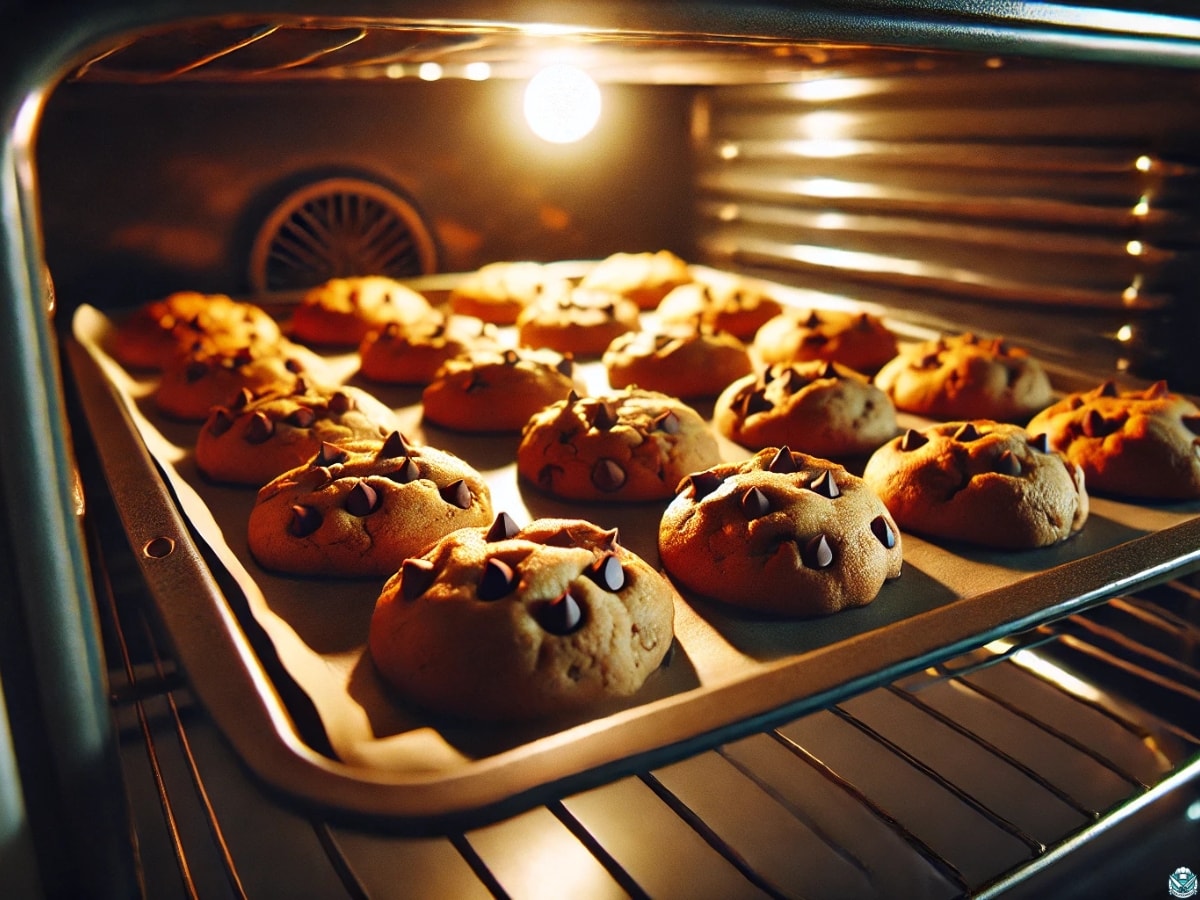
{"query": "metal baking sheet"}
[(253, 641)]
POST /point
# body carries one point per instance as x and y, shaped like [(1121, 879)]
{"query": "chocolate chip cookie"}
[(341, 312), (399, 354), (644, 278), (361, 509), (505, 623), (1133, 443), (496, 391), (498, 292), (577, 320), (783, 532), (721, 303), (683, 361), (856, 339), (981, 482), (817, 407), (257, 437), (622, 446), (963, 377)]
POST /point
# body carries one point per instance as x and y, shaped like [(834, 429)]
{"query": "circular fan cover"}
[(338, 228)]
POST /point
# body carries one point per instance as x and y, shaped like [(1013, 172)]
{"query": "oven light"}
[(477, 71), (1135, 248), (1193, 812), (562, 104), (1125, 334), (429, 71)]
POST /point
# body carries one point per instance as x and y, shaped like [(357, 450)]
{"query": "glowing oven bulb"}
[(562, 104)]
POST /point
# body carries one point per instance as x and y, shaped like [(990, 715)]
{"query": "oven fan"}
[(339, 228)]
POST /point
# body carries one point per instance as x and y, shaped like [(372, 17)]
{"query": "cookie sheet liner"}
[(248, 637)]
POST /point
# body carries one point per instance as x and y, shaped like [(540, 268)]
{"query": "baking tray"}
[(280, 662)]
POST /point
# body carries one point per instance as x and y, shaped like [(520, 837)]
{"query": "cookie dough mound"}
[(783, 532), (506, 623), (577, 320), (1143, 444), (361, 509), (498, 292), (624, 446), (491, 391), (962, 377), (858, 340), (981, 482), (341, 312), (682, 361), (412, 355), (644, 278), (259, 436), (720, 303), (817, 407)]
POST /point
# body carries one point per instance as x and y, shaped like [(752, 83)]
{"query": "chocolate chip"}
[(817, 554), (561, 615), (362, 499), (667, 422), (293, 365), (754, 402), (792, 380), (813, 320), (566, 366), (1107, 389), (1040, 442), (300, 386), (242, 357), (703, 484), (572, 398), (408, 472), (548, 474), (391, 331), (394, 446), (244, 397), (221, 422), (755, 503), (511, 357), (195, 371), (1156, 390), (829, 370), (305, 520), (503, 528), (301, 418), (1096, 426), (824, 485), (968, 432), (457, 494), (1008, 464), (912, 440), (607, 573), (259, 428), (604, 416), (882, 529), (340, 403), (607, 475), (498, 580), (929, 361), (330, 454), (1192, 424), (814, 339), (782, 462)]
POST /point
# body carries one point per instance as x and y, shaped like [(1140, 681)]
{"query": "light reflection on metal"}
[(1125, 333), (1057, 676), (1143, 163), (1142, 207), (1135, 248), (429, 71), (477, 71)]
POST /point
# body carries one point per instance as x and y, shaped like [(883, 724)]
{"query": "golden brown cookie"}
[(398, 354), (256, 438), (195, 381), (623, 446), (962, 377), (498, 292), (154, 333), (782, 532), (644, 278), (361, 509), (724, 304), (582, 321), (858, 340), (496, 391), (340, 312), (981, 482), (503, 623), (1133, 443), (683, 361), (817, 407)]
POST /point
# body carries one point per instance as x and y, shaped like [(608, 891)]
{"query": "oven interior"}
[(1035, 180)]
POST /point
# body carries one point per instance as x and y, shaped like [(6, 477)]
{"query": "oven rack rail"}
[(975, 778)]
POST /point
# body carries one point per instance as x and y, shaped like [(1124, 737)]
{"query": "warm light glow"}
[(1143, 163), (1142, 207), (1125, 333), (729, 213), (395, 70), (1135, 248), (1048, 671), (1193, 812), (429, 71), (729, 151), (478, 71), (562, 104)]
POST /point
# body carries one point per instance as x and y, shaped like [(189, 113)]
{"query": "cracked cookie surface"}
[(623, 446), (981, 482), (360, 509), (783, 532), (508, 623), (681, 361), (1133, 443)]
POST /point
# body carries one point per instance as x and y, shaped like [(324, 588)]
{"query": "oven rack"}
[(977, 777)]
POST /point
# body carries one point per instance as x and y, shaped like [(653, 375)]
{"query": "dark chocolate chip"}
[(340, 403), (330, 454), (566, 366), (782, 462), (817, 554), (912, 440), (572, 398), (667, 422), (813, 320), (561, 615), (362, 499), (882, 529), (825, 485), (305, 520), (391, 331), (293, 365), (498, 580), (793, 380), (394, 446), (814, 339), (754, 402), (1040, 442), (408, 472), (195, 371), (548, 474), (607, 475), (416, 575), (604, 416), (244, 396), (1156, 390), (259, 428), (830, 371), (1107, 389), (929, 361), (221, 422), (242, 357), (300, 386), (755, 503), (607, 573), (457, 494), (1008, 464), (1192, 424), (966, 433), (1096, 426), (301, 418), (703, 484), (503, 528), (511, 357)]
